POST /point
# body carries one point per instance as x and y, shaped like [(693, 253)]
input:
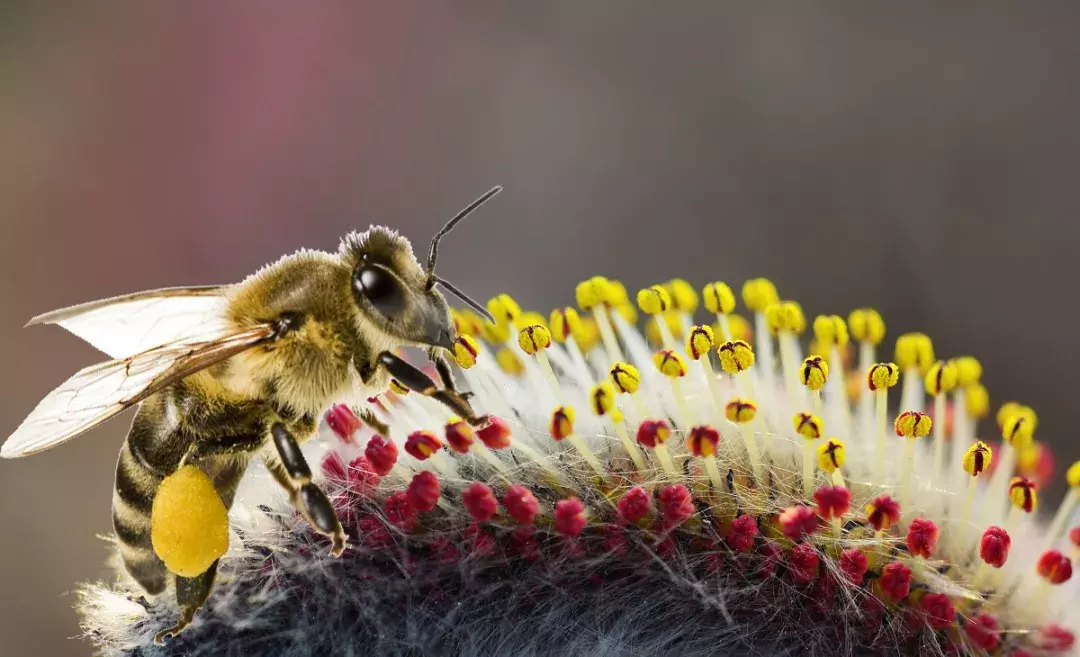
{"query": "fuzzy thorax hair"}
[(685, 490)]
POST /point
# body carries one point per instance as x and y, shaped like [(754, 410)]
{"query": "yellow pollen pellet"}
[(1019, 430), (785, 316), (398, 388), (510, 362), (654, 300), (911, 424), (941, 378), (735, 356), (968, 370), (882, 375), (504, 309), (866, 325), (808, 425), (593, 292), (564, 322), (534, 338), (1072, 475), (814, 373), (759, 293), (740, 411), (625, 377), (465, 351), (830, 330), (602, 398), (699, 342), (977, 458), (719, 298), (831, 455), (669, 363), (562, 422), (1023, 495), (977, 400), (189, 525), (683, 295), (914, 351)]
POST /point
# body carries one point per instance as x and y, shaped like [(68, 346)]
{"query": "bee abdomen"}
[(133, 499)]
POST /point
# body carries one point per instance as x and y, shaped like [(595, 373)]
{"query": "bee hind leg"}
[(369, 418), (414, 379), (294, 474), (191, 594)]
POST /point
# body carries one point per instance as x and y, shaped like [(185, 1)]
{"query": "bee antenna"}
[(464, 297), (433, 252)]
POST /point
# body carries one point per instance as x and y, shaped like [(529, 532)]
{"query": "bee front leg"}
[(295, 475), (412, 378), (438, 356), (191, 594)]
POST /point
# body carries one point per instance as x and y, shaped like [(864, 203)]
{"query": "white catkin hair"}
[(725, 552)]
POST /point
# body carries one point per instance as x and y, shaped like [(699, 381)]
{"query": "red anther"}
[(803, 563), (769, 556), (853, 564), (1074, 535), (983, 632), (939, 610), (832, 501), (896, 580), (363, 480), (744, 530), (374, 533), (653, 432), (522, 542), (444, 551), (994, 546), (481, 543), (424, 491), (382, 454), (635, 505), (798, 521), (615, 541), (703, 441), (333, 467), (570, 517), (1020, 652), (496, 434), (1055, 638), (480, 501), (399, 511), (422, 444), (343, 422), (1054, 567), (521, 504), (883, 512), (460, 436), (677, 505), (922, 537)]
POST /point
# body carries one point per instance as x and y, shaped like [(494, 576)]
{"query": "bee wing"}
[(131, 324), (101, 391)]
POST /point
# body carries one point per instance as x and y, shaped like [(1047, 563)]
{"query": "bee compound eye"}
[(379, 287)]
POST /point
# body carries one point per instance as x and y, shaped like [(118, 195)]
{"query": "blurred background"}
[(920, 158)]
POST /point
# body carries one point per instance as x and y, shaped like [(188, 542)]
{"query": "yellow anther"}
[(562, 422), (808, 425), (1072, 475), (866, 325), (683, 295), (654, 300), (700, 342), (669, 363), (1009, 409), (740, 328), (593, 292), (1022, 494), (534, 338), (758, 294), (625, 377), (1028, 458), (830, 330), (602, 398), (504, 309), (740, 411), (914, 350), (718, 298), (673, 320), (977, 400), (941, 378), (589, 336), (497, 333), (398, 388), (510, 362), (565, 322), (531, 318), (814, 372), (831, 455), (465, 351), (467, 322), (977, 458), (968, 370), (628, 312), (189, 526), (617, 295), (911, 424), (785, 316), (1019, 429), (735, 356), (882, 375)]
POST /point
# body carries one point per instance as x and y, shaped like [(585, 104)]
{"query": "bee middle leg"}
[(414, 379), (294, 474), (191, 594)]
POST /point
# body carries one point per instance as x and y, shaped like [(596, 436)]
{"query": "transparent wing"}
[(101, 391), (131, 324)]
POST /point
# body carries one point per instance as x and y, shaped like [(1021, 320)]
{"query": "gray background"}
[(921, 159)]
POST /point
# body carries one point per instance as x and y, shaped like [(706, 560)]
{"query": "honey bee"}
[(224, 374)]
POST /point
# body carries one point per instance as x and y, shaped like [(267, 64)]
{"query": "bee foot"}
[(339, 545)]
